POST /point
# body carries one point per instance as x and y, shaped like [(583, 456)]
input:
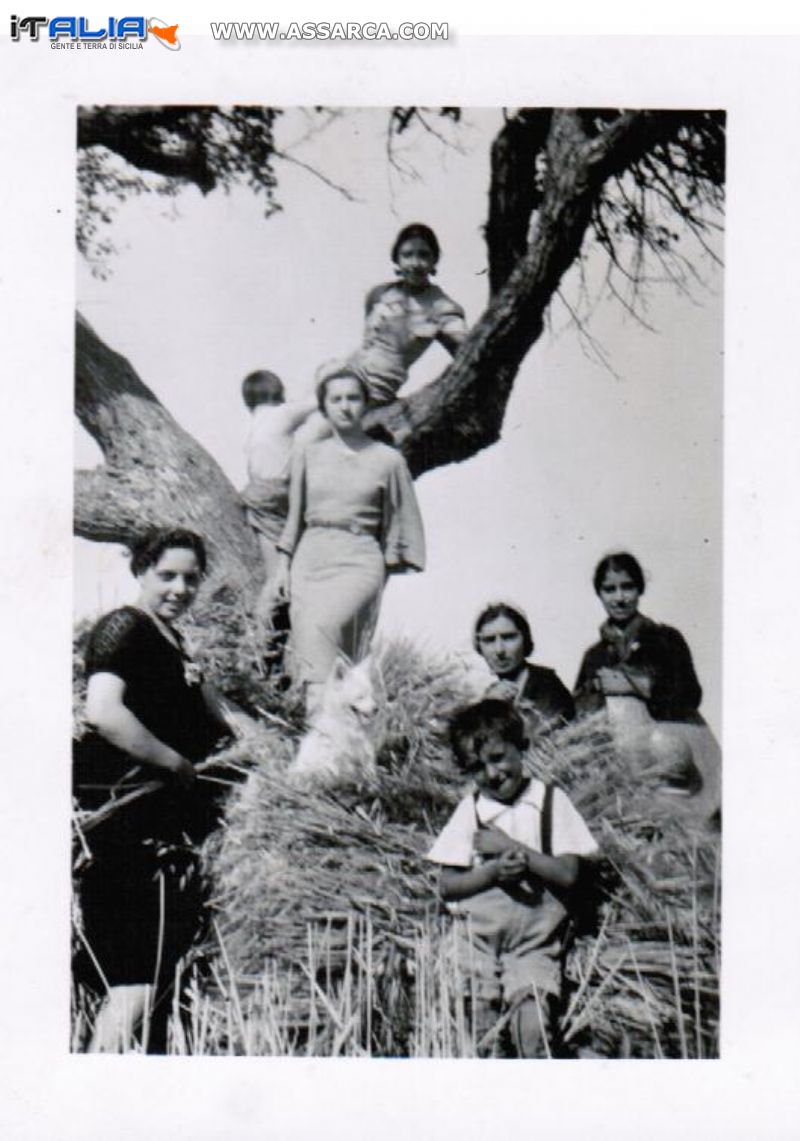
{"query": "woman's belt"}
[(337, 525)]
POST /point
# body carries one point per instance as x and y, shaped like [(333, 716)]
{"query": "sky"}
[(611, 440)]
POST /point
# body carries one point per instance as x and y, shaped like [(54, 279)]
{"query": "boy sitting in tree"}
[(510, 855)]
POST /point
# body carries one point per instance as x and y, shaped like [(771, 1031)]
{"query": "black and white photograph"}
[(400, 442), (384, 412)]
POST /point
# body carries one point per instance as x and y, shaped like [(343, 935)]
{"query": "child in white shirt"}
[(274, 431), (510, 854)]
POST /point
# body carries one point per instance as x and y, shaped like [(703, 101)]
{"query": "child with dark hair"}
[(269, 445), (510, 855), (269, 451)]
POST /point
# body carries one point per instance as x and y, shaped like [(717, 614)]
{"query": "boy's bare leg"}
[(118, 1019), (267, 603), (485, 1016), (531, 1031)]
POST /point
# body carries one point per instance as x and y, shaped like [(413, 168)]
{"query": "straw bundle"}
[(647, 983), (288, 858), (328, 935), (291, 870)]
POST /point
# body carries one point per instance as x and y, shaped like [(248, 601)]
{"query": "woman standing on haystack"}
[(353, 518), (151, 717)]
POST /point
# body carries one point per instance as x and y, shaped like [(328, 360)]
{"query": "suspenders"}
[(546, 822), (582, 901)]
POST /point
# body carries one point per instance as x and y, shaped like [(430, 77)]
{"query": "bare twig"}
[(348, 194), (590, 346)]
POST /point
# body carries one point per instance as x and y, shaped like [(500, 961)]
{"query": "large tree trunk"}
[(156, 473)]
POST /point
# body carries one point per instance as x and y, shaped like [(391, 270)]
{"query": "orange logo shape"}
[(167, 34)]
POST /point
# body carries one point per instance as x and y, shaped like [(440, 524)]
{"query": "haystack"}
[(328, 936), (312, 891), (290, 858)]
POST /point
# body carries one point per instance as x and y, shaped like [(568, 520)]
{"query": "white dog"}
[(337, 748)]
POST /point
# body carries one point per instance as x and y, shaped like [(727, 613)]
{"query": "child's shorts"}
[(495, 974), (505, 946)]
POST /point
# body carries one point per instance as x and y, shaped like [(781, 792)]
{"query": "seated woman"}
[(635, 656), (151, 717), (643, 672), (502, 636), (353, 518), (403, 317)]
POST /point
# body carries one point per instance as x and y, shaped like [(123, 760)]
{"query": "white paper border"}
[(751, 1092)]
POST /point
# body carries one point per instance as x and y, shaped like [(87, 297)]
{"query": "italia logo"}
[(166, 34), (78, 28)]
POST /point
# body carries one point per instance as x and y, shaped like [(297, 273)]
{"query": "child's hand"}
[(510, 866), (492, 841)]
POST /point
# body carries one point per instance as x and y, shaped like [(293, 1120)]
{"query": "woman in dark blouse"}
[(635, 656), (502, 636), (150, 717)]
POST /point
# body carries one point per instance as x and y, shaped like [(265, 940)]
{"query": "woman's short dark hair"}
[(340, 372), (623, 563), (416, 230), (148, 548), (471, 727), (262, 387), (503, 610)]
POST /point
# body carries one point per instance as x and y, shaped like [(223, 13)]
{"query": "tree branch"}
[(106, 390), (462, 411), (155, 472), (513, 191), (109, 507), (348, 194), (139, 135)]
